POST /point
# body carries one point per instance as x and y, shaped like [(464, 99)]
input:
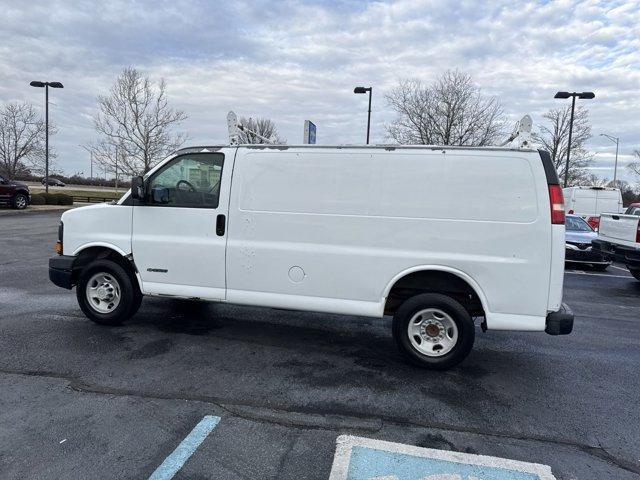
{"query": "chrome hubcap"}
[(21, 202), (432, 332), (103, 292)]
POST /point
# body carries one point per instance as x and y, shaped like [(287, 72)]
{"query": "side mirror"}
[(137, 188), (160, 195)]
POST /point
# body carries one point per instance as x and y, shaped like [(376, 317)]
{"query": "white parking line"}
[(619, 268), (599, 274), (174, 462), (360, 458)]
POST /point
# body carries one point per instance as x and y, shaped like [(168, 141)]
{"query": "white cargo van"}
[(435, 236), (589, 202)]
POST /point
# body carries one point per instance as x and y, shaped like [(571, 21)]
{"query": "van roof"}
[(264, 146), (592, 187)]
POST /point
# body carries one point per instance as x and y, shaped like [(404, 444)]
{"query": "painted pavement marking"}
[(359, 458), (174, 462), (599, 275)]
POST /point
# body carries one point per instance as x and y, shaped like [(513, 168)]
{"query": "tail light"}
[(557, 204), (594, 222), (638, 233)]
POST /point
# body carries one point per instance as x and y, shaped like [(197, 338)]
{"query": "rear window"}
[(577, 224)]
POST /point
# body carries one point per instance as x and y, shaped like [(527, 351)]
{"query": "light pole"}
[(46, 86), (365, 90), (615, 167), (90, 152), (573, 95)]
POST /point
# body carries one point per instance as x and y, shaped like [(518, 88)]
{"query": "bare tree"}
[(135, 123), (554, 137), (22, 142), (634, 167), (451, 111), (265, 127), (595, 181)]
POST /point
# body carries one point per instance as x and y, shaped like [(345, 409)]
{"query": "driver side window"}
[(191, 180)]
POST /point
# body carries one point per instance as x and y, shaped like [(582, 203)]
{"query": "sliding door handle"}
[(220, 225)]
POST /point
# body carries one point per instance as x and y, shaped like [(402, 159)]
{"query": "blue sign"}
[(309, 132)]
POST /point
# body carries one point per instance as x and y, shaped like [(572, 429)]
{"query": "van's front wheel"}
[(433, 331), (106, 293)]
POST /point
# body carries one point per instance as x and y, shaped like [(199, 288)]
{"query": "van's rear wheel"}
[(106, 293), (433, 331)]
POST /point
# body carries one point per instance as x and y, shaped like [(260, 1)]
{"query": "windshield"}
[(577, 224)]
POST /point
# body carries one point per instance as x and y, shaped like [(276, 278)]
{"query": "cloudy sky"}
[(297, 60)]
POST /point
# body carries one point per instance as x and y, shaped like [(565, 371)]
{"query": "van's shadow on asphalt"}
[(317, 350)]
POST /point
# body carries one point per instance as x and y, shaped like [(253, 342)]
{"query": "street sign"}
[(309, 132)]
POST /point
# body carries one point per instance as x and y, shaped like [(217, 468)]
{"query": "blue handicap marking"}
[(175, 461), (360, 458)]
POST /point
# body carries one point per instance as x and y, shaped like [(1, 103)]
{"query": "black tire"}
[(130, 296), (600, 267), (457, 313), (20, 201), (635, 272)]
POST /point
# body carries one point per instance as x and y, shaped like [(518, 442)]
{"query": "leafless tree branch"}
[(135, 125), (22, 139), (554, 137), (451, 111), (262, 126)]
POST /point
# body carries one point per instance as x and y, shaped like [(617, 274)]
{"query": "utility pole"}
[(46, 86), (615, 167), (573, 95), (365, 90)]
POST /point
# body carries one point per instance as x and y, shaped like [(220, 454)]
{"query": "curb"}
[(30, 210)]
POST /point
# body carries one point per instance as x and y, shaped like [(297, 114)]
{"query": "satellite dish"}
[(232, 125), (521, 135)]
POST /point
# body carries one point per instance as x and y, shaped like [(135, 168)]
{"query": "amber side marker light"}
[(58, 247)]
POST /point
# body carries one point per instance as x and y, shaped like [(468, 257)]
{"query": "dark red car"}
[(633, 209), (14, 193)]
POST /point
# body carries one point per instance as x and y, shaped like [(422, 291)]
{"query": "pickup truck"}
[(619, 239)]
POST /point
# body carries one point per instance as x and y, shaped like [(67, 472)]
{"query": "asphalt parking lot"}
[(82, 401)]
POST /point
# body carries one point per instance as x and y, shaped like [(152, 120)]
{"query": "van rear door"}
[(608, 201)]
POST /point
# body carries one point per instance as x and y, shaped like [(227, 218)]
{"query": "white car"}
[(435, 236)]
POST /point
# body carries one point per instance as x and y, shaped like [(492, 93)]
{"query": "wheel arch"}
[(98, 250), (435, 279)]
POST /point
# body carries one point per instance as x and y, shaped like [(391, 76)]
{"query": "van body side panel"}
[(340, 224)]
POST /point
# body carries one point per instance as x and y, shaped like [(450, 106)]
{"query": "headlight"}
[(570, 247)]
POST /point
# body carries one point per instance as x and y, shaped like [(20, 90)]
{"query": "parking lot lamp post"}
[(365, 90), (573, 95), (46, 86), (615, 166)]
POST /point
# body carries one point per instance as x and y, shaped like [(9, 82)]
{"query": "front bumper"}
[(61, 270), (630, 256), (590, 255), (560, 322)]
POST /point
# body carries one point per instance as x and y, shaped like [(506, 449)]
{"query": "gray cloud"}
[(296, 60)]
